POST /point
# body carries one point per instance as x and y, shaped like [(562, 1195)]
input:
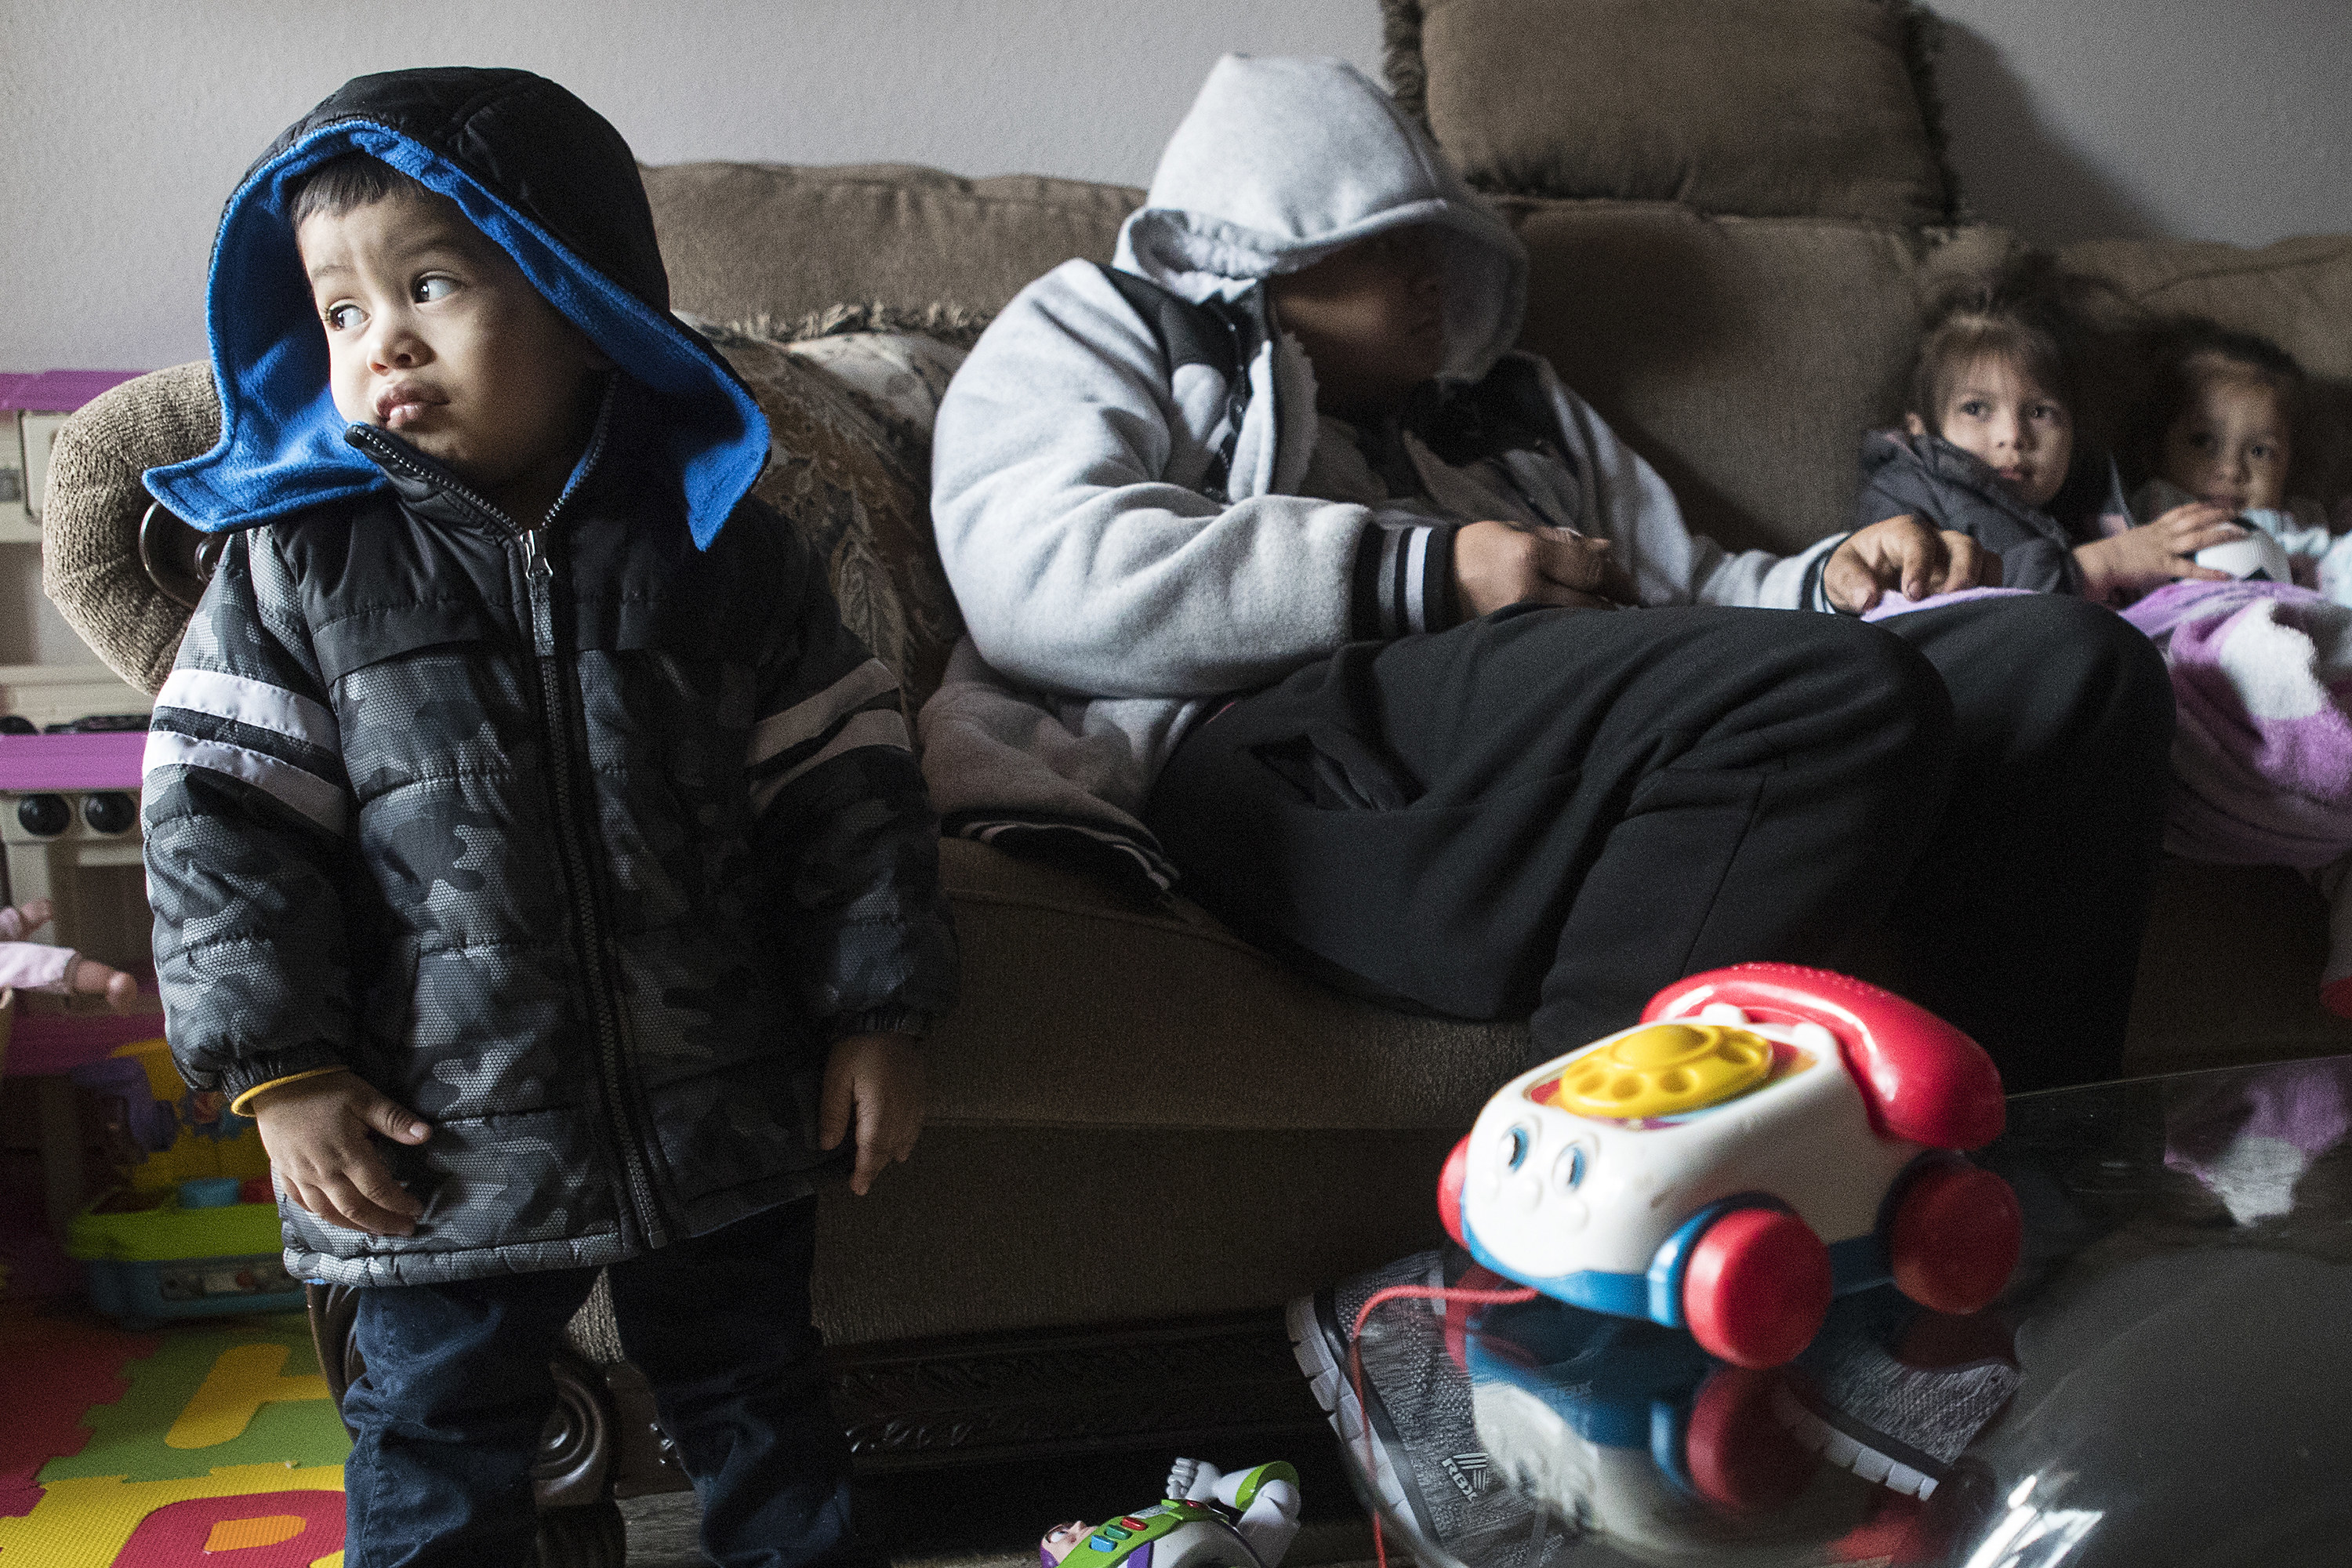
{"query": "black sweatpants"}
[(1559, 812)]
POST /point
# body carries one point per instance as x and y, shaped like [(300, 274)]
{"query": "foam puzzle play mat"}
[(199, 1444)]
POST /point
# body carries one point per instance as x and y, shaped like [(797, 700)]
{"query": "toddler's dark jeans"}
[(457, 1388)]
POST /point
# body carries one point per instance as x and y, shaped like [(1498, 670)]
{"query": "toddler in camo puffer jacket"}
[(534, 855)]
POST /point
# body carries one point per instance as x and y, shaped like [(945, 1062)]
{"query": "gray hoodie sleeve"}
[(1082, 561)]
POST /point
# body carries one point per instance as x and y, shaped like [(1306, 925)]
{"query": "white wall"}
[(2227, 120), (123, 123)]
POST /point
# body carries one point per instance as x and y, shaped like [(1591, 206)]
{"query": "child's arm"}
[(245, 814), (2129, 564), (846, 826), (317, 1126), (880, 1078)]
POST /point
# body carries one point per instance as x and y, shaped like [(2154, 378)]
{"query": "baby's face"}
[(1997, 412), (2230, 446), (433, 332), (1372, 319)]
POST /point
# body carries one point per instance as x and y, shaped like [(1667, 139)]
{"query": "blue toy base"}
[(140, 1294)]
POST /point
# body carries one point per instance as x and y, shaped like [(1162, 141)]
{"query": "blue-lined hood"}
[(539, 172)]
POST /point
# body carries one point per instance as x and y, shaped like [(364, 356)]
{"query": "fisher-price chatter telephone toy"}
[(1767, 1137)]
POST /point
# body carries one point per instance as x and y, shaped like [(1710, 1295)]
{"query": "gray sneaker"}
[(1424, 1463)]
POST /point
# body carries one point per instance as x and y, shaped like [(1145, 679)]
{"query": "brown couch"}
[(1145, 1135)]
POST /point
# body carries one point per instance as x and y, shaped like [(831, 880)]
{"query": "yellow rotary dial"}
[(1666, 1069)]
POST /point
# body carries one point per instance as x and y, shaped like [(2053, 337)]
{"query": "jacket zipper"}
[(539, 579)]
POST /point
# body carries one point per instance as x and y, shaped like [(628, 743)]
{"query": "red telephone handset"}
[(1923, 1079)]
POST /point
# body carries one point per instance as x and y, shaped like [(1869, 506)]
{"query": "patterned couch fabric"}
[(850, 466)]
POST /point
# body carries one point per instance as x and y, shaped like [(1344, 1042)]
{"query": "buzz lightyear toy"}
[(1210, 1519)]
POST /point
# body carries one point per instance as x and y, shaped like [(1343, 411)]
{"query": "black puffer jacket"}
[(1936, 481), (583, 843)]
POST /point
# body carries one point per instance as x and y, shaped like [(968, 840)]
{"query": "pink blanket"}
[(2263, 759)]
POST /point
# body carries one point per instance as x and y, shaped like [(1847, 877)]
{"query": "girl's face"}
[(2229, 445), (1997, 412)]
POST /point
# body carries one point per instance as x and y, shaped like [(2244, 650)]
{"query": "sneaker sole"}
[(1874, 1456), (1319, 1347)]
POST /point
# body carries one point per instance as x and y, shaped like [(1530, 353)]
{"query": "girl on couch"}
[(2261, 763), (2223, 430), (1989, 450)]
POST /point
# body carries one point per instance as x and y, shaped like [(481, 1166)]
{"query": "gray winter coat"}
[(1936, 481)]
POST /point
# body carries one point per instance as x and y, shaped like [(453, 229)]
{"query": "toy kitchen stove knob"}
[(110, 812), (1766, 1138), (43, 816)]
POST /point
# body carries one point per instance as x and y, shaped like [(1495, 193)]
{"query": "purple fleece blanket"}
[(2263, 759)]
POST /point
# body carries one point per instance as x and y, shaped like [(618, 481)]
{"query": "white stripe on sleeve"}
[(318, 799), (812, 716), (1416, 568), (881, 727), (254, 703)]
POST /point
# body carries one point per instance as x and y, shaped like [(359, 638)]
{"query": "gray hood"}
[(1281, 161)]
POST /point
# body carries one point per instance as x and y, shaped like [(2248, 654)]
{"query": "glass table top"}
[(2168, 1378)]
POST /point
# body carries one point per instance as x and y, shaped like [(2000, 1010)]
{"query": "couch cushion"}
[(1083, 1008), (1762, 108), (1744, 357), (2297, 293), (743, 240)]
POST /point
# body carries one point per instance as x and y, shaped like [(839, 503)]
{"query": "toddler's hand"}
[(1498, 564), (1903, 554), (2131, 562), (317, 1132), (880, 1077)]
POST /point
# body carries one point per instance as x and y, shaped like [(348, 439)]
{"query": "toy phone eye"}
[(1569, 1169), (1516, 1144)]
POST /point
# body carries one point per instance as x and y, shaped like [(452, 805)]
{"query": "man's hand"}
[(1499, 563), (880, 1077), (317, 1132), (1903, 554), (2128, 564)]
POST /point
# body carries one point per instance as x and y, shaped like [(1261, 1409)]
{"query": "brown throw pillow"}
[(779, 240), (1763, 108), (849, 465), (1743, 357)]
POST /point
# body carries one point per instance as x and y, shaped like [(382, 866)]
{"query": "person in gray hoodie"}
[(1282, 569)]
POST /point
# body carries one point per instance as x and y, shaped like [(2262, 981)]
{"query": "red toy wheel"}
[(1741, 1458), (1756, 1286), (1955, 1238), (1449, 1190)]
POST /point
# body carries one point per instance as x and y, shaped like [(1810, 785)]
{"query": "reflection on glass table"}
[(2167, 1380)]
